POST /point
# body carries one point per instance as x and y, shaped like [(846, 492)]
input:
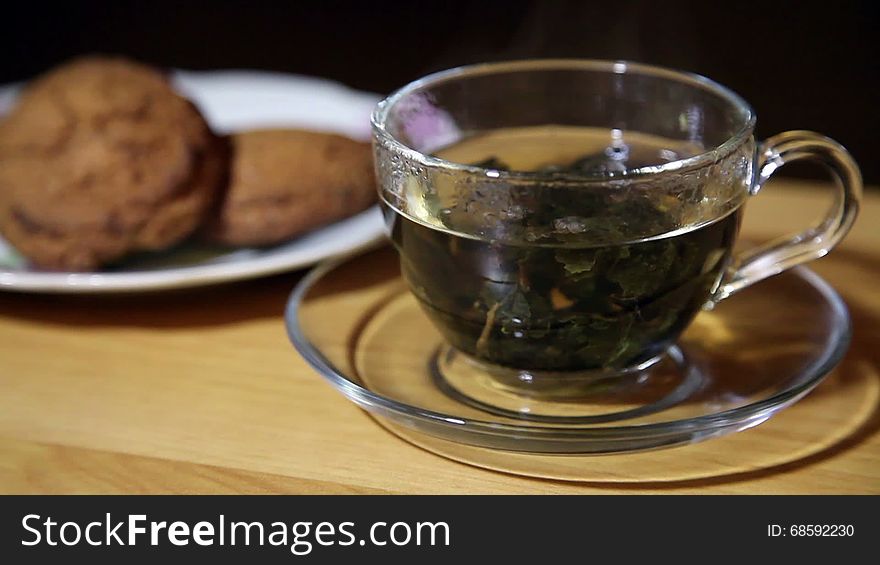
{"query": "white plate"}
[(230, 101)]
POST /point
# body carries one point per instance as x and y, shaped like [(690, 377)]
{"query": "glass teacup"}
[(563, 219)]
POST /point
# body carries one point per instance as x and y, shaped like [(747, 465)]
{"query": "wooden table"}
[(200, 391)]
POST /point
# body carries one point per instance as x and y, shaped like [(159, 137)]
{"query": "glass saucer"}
[(357, 324)]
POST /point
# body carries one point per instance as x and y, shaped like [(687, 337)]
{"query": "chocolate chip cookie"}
[(284, 183), (100, 157)]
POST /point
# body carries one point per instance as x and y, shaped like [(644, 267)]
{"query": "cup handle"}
[(772, 258)]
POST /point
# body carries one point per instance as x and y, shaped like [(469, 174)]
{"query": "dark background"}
[(802, 65)]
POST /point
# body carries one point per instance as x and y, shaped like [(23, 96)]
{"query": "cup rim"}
[(380, 113)]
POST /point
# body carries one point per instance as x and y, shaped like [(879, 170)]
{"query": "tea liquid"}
[(567, 301)]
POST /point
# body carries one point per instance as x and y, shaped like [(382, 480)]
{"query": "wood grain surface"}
[(199, 391)]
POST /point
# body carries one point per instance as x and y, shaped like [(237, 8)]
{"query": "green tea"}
[(581, 296)]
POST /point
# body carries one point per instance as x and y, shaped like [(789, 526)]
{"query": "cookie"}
[(100, 158), (283, 183)]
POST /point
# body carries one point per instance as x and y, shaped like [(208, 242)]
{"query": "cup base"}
[(576, 397)]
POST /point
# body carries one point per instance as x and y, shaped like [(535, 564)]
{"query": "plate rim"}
[(189, 276)]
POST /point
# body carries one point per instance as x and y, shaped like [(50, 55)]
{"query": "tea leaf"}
[(577, 261), (642, 272)]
